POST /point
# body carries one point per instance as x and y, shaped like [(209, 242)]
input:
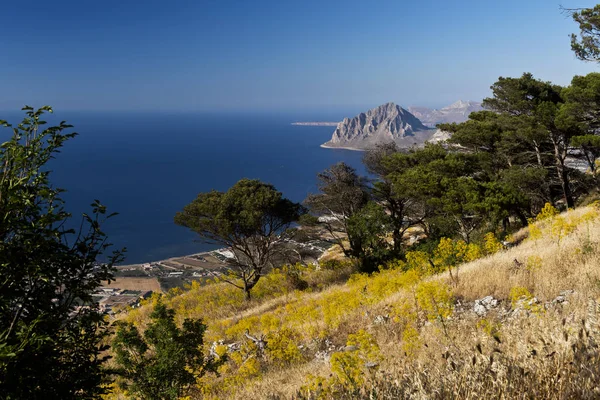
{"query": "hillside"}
[(509, 323)]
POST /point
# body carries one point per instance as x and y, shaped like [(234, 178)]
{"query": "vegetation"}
[(51, 331), (465, 271), (587, 46), (163, 362), (247, 219), (343, 194), (375, 334), (466, 279)]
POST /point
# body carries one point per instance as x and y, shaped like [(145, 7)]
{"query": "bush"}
[(164, 361)]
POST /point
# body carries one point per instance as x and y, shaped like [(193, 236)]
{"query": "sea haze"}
[(147, 166)]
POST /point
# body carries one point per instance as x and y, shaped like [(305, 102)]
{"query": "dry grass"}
[(566, 363), (547, 351)]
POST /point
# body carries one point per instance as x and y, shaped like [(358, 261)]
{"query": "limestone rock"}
[(484, 305), (384, 124)]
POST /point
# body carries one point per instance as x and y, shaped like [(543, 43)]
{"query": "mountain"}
[(386, 123), (456, 112)]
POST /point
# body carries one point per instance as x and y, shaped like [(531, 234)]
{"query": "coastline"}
[(175, 259), (315, 123), (325, 146)]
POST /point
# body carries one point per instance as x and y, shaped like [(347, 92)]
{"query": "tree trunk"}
[(538, 154), (522, 218), (397, 237), (249, 284), (559, 157), (505, 223), (564, 180)]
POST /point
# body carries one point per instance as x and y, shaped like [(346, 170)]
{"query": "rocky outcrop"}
[(440, 136), (384, 124), (456, 112)]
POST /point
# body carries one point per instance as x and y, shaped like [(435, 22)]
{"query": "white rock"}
[(482, 306)]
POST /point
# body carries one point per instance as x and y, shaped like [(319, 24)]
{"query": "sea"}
[(146, 166)]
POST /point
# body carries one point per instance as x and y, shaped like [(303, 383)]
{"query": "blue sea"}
[(147, 166)]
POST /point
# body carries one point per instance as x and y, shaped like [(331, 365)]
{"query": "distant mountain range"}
[(455, 112), (392, 123)]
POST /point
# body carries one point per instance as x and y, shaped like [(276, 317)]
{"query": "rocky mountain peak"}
[(385, 123)]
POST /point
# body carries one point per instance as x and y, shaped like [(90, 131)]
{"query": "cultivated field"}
[(142, 284)]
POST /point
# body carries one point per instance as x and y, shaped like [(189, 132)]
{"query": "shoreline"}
[(315, 123), (174, 258), (325, 146)]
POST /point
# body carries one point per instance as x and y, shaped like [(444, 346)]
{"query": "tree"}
[(247, 219), (538, 103), (165, 361), (582, 109), (401, 208), (427, 179), (368, 229), (587, 45), (343, 194), (590, 149), (509, 153), (499, 140), (461, 202), (51, 331)]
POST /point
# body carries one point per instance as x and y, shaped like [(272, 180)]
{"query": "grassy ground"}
[(416, 335)]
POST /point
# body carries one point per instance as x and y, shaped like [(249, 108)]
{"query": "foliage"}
[(587, 45), (490, 328), (491, 244), (449, 254), (582, 109), (435, 299), (411, 341), (367, 229), (534, 263), (397, 200), (164, 361), (350, 368), (520, 295), (51, 331), (549, 211), (343, 194), (561, 228), (537, 106), (282, 347), (362, 353), (246, 219)]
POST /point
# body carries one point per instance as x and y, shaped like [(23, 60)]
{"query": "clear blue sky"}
[(275, 55)]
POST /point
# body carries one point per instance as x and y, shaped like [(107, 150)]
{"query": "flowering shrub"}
[(491, 244), (490, 328), (411, 341), (561, 228), (282, 347), (519, 295), (435, 299), (450, 254), (549, 211), (349, 368), (534, 263)]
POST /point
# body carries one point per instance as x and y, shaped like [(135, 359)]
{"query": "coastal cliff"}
[(386, 123)]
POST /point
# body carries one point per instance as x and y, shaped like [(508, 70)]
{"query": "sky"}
[(226, 55)]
